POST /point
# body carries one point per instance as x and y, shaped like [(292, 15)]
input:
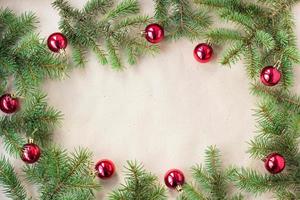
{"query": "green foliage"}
[(211, 182), (61, 176), (13, 188), (284, 186), (35, 120), (284, 98), (278, 5), (106, 30), (261, 33), (259, 36), (25, 63), (279, 132), (180, 19), (278, 121), (23, 55), (139, 185)]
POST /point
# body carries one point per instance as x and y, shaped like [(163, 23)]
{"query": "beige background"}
[(164, 112)]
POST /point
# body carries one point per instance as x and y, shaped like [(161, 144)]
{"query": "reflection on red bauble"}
[(203, 53), (270, 76), (105, 168), (57, 42), (275, 163), (30, 153), (174, 179), (9, 104), (154, 33)]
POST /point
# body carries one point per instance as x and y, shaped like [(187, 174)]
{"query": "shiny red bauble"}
[(105, 169), (57, 42), (203, 53), (30, 153), (9, 104), (275, 163), (174, 179), (270, 76), (154, 33)]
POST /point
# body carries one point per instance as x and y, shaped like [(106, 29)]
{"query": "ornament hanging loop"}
[(209, 42), (179, 188), (93, 172), (277, 64), (63, 53), (30, 141), (143, 33)]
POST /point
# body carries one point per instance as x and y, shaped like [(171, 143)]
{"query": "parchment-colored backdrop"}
[(164, 112)]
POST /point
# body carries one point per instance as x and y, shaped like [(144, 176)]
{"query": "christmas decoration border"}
[(263, 35)]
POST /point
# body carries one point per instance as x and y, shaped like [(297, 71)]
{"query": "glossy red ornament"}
[(30, 153), (9, 104), (154, 33), (105, 168), (203, 53), (270, 76), (57, 42), (174, 179), (275, 163)]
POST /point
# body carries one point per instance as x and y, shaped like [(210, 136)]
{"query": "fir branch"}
[(139, 185), (284, 98), (24, 55), (11, 184), (161, 10), (103, 29), (94, 7), (113, 54), (265, 39), (35, 64), (191, 192), (258, 33), (66, 10), (79, 55), (211, 181), (16, 27), (179, 19), (241, 19), (252, 181), (222, 35), (60, 176), (253, 61), (13, 142), (36, 120), (129, 22), (125, 8), (39, 118), (233, 54)]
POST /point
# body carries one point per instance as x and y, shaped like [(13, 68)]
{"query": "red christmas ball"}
[(275, 163), (203, 53), (30, 153), (9, 104), (270, 76), (105, 168), (57, 42), (154, 33), (174, 179)]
